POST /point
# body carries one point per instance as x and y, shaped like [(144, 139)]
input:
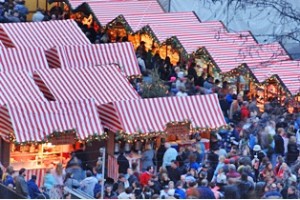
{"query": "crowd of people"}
[(12, 11), (256, 157)]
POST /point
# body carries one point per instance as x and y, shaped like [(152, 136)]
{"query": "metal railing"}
[(77, 193), (8, 193)]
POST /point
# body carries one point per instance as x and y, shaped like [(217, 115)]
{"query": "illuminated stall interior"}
[(273, 91), (171, 48), (244, 81), (83, 15), (146, 35), (203, 59), (55, 149), (119, 28)]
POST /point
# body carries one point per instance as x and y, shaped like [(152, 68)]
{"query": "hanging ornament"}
[(127, 148), (138, 145), (117, 148)]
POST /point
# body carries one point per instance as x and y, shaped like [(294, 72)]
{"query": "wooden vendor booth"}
[(43, 134), (133, 124), (120, 28), (279, 83), (244, 81)]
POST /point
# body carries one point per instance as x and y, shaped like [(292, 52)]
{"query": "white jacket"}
[(169, 155)]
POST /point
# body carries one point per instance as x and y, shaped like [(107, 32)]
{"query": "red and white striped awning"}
[(35, 121), (261, 53), (22, 59), (191, 33), (152, 115), (15, 88), (76, 3), (106, 11), (104, 84), (73, 56), (18, 88), (287, 71), (42, 34)]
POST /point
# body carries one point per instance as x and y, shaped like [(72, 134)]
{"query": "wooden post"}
[(4, 152)]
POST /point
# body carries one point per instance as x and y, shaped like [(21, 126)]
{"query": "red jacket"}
[(245, 113), (144, 178)]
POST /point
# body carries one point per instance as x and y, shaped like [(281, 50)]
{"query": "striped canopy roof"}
[(287, 71), (73, 56), (152, 115), (191, 33), (233, 57), (18, 88), (24, 59), (76, 3), (42, 34), (15, 88), (35, 121), (106, 11), (104, 84)]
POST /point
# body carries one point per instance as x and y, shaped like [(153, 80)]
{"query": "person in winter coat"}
[(245, 113), (292, 193), (272, 193), (21, 185), (180, 191), (109, 193), (234, 107), (279, 145), (147, 157), (160, 153), (70, 182), (87, 185), (174, 172), (123, 163), (245, 186), (231, 191), (74, 166), (169, 155), (8, 179), (49, 180), (146, 176), (38, 16), (33, 189), (293, 152)]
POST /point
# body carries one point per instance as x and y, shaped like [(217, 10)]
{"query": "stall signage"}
[(63, 139), (179, 130)]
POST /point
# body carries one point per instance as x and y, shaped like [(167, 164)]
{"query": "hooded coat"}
[(87, 185)]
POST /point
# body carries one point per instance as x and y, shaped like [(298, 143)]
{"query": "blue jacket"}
[(9, 180), (194, 166), (97, 189), (206, 193), (23, 10), (33, 189), (180, 193)]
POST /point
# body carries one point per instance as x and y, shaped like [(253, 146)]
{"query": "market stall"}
[(42, 34), (103, 83), (134, 123), (244, 81), (73, 56), (25, 59), (279, 82), (40, 142)]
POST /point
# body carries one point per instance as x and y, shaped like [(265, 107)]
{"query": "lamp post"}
[(102, 158)]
